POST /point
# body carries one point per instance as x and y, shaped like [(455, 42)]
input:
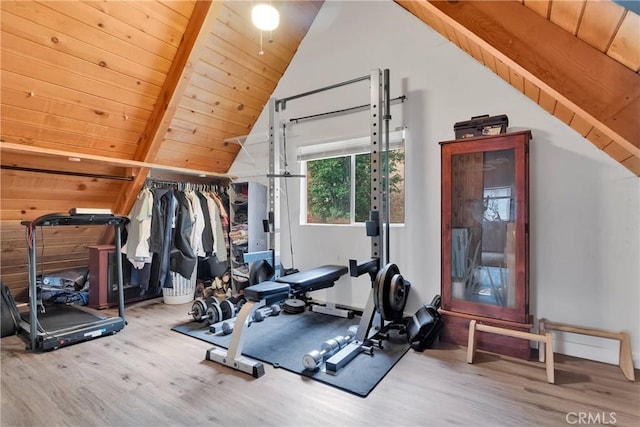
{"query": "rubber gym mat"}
[(283, 340)]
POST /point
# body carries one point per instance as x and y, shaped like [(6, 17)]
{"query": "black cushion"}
[(271, 291), (316, 278)]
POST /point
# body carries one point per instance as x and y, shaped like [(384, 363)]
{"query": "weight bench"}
[(265, 294), (312, 280)]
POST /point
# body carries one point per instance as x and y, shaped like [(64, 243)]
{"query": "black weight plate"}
[(211, 300), (214, 314), (397, 296), (198, 310), (385, 292), (382, 288), (377, 300), (228, 309), (294, 306)]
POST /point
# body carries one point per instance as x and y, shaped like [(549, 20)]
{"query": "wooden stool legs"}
[(625, 358), (546, 339)]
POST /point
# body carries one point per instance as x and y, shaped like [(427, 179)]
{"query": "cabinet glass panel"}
[(483, 217)]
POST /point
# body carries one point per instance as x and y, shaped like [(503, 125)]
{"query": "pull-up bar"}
[(283, 101), (393, 101)]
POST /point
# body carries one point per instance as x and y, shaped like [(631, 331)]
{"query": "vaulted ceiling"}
[(129, 87), (97, 95)]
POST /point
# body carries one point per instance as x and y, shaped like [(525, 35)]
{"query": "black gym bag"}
[(9, 313), (425, 326)]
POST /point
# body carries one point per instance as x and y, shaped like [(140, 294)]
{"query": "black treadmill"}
[(52, 326)]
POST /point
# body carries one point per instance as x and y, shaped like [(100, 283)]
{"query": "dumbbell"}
[(231, 306), (259, 315), (315, 358), (263, 313), (208, 309)]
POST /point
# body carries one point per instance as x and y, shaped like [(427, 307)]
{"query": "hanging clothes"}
[(197, 223), (182, 258), (222, 227), (173, 233), (161, 240), (139, 230), (207, 233)]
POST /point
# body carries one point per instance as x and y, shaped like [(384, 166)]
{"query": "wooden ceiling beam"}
[(577, 74), (193, 42), (595, 87), (43, 157)]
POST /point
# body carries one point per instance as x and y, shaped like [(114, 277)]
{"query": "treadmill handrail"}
[(85, 219)]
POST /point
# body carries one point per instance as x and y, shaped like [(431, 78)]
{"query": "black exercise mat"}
[(283, 340)]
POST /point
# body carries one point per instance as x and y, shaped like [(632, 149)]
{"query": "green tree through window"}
[(329, 189)]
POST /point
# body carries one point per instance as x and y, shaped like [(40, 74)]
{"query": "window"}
[(338, 187), (497, 203)]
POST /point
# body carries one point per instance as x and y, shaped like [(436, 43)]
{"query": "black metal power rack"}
[(61, 325)]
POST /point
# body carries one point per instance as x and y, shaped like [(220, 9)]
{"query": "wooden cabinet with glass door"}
[(485, 239)]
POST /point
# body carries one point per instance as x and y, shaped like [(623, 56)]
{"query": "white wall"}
[(585, 207)]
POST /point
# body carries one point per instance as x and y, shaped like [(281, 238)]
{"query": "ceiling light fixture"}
[(266, 18)]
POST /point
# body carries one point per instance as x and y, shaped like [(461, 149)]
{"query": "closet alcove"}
[(177, 238)]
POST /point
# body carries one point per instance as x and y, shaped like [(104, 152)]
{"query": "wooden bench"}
[(546, 339), (625, 359)]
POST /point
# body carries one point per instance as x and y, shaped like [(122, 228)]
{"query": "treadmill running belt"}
[(61, 316)]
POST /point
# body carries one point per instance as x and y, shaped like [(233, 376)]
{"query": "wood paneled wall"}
[(64, 248)]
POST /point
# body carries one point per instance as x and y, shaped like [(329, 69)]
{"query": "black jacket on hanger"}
[(182, 258), (160, 241), (207, 233)]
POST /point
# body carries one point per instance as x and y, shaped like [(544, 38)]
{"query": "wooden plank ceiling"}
[(95, 95), (116, 83)]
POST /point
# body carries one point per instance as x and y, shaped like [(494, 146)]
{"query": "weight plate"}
[(198, 310), (214, 314), (382, 288), (228, 309), (241, 299), (294, 306), (397, 296), (211, 300)]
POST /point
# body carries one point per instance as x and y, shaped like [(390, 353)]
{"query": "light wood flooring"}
[(147, 375)]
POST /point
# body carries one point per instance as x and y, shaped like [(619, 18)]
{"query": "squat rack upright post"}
[(378, 116)]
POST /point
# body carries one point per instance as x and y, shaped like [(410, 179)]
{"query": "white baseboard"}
[(591, 348)]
